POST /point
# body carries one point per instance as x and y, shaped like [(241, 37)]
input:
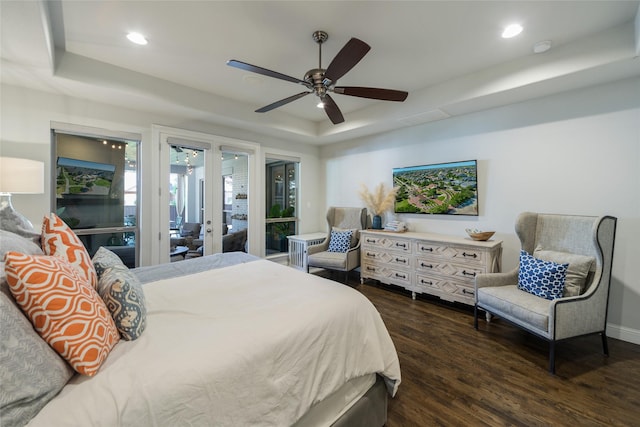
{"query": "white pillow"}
[(579, 267)]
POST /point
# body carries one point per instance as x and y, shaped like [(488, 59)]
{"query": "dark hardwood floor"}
[(455, 375)]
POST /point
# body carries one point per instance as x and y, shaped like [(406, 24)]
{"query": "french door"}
[(205, 180)]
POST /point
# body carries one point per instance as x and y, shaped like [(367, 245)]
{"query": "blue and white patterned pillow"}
[(122, 293), (340, 241), (544, 279), (103, 259)]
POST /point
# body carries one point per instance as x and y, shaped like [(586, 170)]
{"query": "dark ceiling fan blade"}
[(346, 59), (264, 72), (332, 110), (282, 102), (372, 93)]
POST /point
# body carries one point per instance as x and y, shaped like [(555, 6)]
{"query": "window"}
[(96, 188), (281, 204)]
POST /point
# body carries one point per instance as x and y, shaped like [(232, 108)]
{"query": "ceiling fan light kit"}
[(320, 81)]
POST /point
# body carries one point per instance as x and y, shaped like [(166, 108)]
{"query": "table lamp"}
[(18, 176)]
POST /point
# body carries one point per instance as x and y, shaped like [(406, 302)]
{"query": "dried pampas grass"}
[(380, 200)]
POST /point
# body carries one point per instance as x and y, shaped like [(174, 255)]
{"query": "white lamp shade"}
[(21, 176)]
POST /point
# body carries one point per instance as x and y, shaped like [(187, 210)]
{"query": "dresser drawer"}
[(466, 272), (445, 252), (386, 274), (383, 257), (387, 243), (446, 288)]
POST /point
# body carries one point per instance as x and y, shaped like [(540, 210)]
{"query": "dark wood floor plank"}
[(455, 375)]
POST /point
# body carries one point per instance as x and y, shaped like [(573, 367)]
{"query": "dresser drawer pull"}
[(425, 282), (371, 268), (404, 261), (422, 264), (371, 255), (466, 273), (464, 291), (401, 245), (371, 240), (426, 249), (471, 255), (401, 276)]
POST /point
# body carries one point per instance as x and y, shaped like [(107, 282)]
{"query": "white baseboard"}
[(624, 334)]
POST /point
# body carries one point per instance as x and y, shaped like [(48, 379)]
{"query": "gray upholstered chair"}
[(319, 255), (563, 239), (188, 229)]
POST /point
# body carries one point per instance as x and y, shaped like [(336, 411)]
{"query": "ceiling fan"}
[(321, 81)]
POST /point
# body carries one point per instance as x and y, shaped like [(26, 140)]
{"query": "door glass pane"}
[(235, 203), (227, 202), (186, 202)]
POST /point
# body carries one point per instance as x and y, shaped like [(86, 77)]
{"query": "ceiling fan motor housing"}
[(315, 77)]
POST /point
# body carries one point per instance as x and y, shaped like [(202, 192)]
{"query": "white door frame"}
[(213, 199)]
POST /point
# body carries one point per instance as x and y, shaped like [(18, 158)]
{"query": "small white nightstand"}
[(298, 245)]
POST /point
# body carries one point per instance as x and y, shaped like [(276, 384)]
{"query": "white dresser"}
[(436, 264)]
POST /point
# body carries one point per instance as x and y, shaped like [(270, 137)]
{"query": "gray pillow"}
[(31, 372), (13, 242), (15, 225), (579, 267)]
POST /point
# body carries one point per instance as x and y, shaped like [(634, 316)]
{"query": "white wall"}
[(576, 152), (25, 123)]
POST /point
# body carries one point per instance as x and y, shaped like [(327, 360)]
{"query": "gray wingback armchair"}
[(568, 238), (345, 219), (188, 229)]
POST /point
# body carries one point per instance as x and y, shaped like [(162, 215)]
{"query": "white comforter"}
[(254, 344)]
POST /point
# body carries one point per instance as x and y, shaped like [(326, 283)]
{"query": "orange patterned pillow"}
[(59, 240), (66, 312)]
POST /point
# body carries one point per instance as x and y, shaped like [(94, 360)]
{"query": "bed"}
[(232, 339)]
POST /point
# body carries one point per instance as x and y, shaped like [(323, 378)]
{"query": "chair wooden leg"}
[(605, 345), (552, 357)]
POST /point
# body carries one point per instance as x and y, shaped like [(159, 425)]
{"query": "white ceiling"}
[(448, 55)]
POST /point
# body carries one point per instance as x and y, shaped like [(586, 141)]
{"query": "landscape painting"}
[(444, 188)]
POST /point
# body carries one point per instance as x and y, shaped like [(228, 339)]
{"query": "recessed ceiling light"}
[(542, 46), (511, 31), (137, 38)]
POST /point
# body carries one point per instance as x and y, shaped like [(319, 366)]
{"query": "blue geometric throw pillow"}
[(544, 279), (340, 241)]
